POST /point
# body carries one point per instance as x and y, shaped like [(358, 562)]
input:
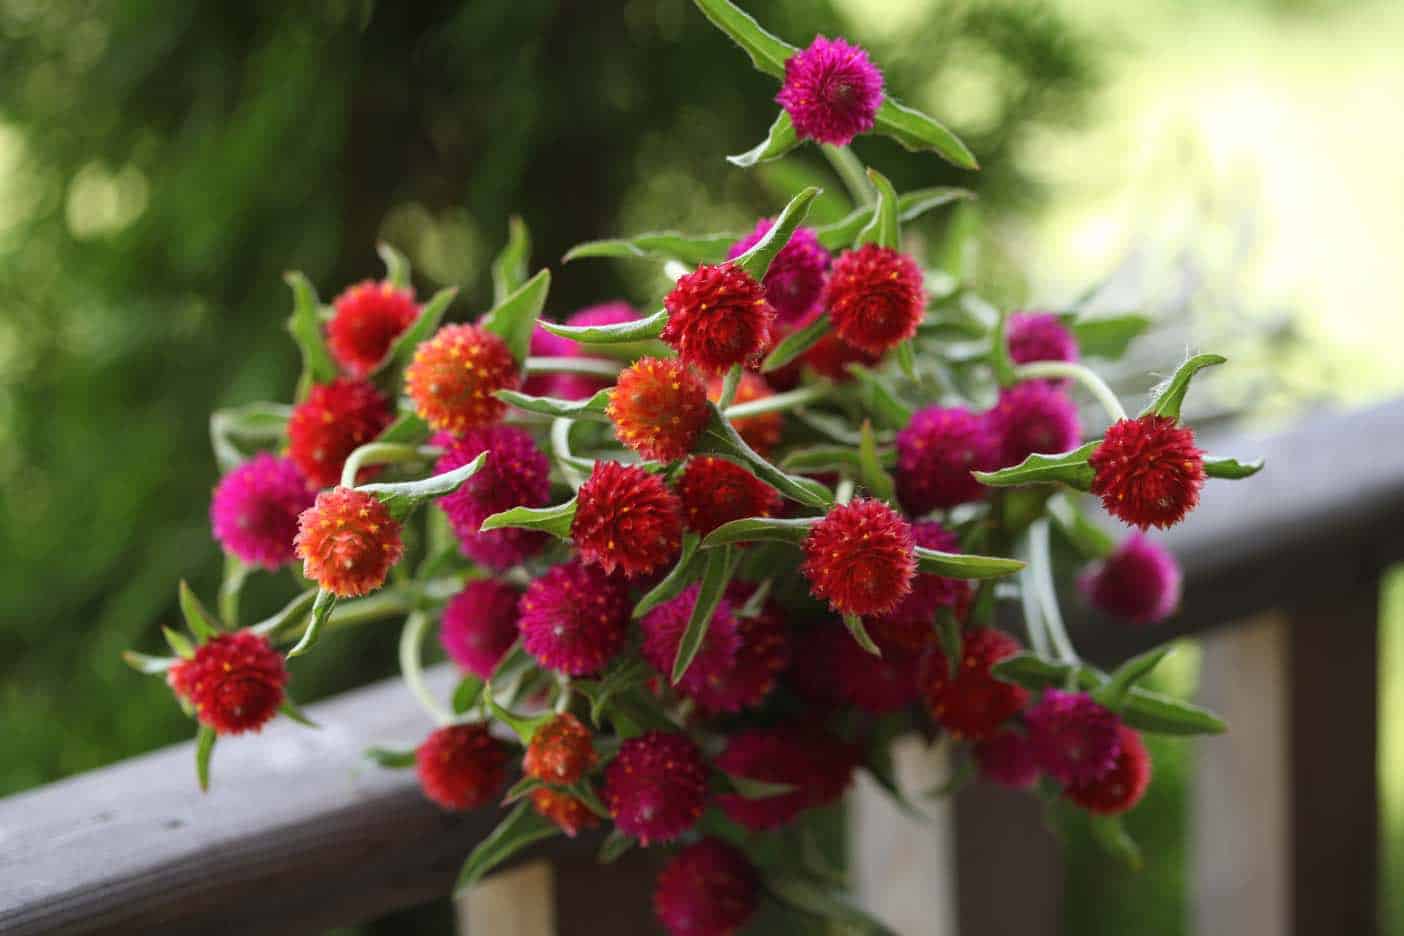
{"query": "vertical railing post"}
[(1009, 867)]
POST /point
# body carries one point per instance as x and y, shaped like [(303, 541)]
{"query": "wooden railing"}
[(1282, 580)]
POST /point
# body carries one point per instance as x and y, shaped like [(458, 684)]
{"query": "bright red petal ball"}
[(718, 316), (973, 704), (860, 558), (909, 628), (1148, 471), (875, 298), (461, 766), (1123, 786), (656, 787), (335, 420), (626, 519), (366, 320), (234, 681), (659, 408), (454, 375), (348, 542), (714, 491), (707, 889), (561, 751)]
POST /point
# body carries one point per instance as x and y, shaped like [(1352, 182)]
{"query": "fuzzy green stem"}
[(729, 385), (1041, 564), (850, 169), (594, 367), (779, 402), (560, 447), (383, 453), (1083, 375), (412, 667)]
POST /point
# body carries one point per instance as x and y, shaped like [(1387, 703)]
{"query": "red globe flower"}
[(875, 298), (659, 408), (1140, 582), (819, 766), (714, 491), (1122, 787), (909, 628), (795, 280), (1034, 417), (1007, 759), (860, 558), (1074, 740), (348, 542), (516, 474), (831, 356), (1148, 471), (973, 704), (561, 751), (762, 431), (234, 681), (366, 320), (832, 91), (656, 787), (574, 618), (461, 766), (255, 507), (718, 316), (479, 625), (707, 889), (335, 420), (626, 519), (936, 454), (568, 813), (454, 375)]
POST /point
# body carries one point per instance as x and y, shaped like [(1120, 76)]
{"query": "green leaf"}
[(306, 327), (204, 746), (614, 846), (321, 610), (817, 458), (637, 330), (779, 141), (795, 344), (874, 477), (1231, 468), (1112, 693), (521, 827), (420, 330), (514, 318), (403, 497), (948, 630), (555, 520), (676, 580), (294, 711), (146, 663), (409, 428), (290, 612), (1110, 834), (179, 643), (231, 587), (467, 694), (906, 360), (882, 227), (623, 675), (1108, 336), (720, 565), (593, 408), (748, 788), (887, 408), (523, 726), (397, 266), (657, 245), (719, 437), (519, 789), (815, 899), (201, 622), (910, 206), (1170, 395), (916, 131), (1000, 360), (756, 261), (760, 529), (1069, 468), (767, 52), (387, 757), (959, 565), (854, 623), (509, 268)]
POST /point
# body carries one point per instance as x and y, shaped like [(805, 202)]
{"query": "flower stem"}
[(594, 367), (560, 447), (779, 402), (729, 385), (850, 170), (1083, 375), (382, 453), (412, 667), (1033, 616), (1041, 565)]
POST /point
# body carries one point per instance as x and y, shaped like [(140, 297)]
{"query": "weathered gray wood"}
[(1009, 867)]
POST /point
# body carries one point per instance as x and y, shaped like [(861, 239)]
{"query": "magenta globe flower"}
[(832, 91), (795, 280), (1140, 582), (1073, 739), (255, 509)]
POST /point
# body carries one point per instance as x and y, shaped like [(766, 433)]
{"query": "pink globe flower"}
[(1074, 740), (479, 625), (935, 455), (1034, 417), (832, 91), (795, 280), (1140, 582), (255, 509), (516, 474)]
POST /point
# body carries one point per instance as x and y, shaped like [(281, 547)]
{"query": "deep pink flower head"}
[(718, 316), (234, 681), (909, 628), (819, 766), (1122, 787), (874, 684), (1140, 582), (761, 658), (1074, 739), (935, 455), (1007, 759), (574, 618), (368, 318), (516, 474), (663, 629), (707, 889), (1034, 417), (795, 279), (1148, 471), (656, 787), (255, 508), (1040, 336), (875, 298), (479, 625), (545, 344), (860, 558), (832, 91)]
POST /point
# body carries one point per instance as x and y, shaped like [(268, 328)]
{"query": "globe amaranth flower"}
[(715, 491), (1040, 336), (819, 766), (875, 298), (454, 374), (255, 508), (659, 407), (234, 681), (461, 766), (973, 704), (860, 558), (545, 344), (1140, 582), (1148, 471), (909, 628), (574, 618), (1007, 759), (348, 542), (1120, 788), (516, 474), (718, 316), (762, 656), (831, 355), (707, 889), (570, 814), (1074, 739), (663, 630), (761, 431), (795, 280), (626, 519), (366, 320), (832, 91), (936, 454), (879, 684), (1034, 417), (561, 751), (479, 625), (656, 787), (335, 420)]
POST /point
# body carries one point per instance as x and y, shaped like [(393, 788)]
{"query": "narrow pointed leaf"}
[(795, 344), (583, 791), (658, 245), (387, 757), (204, 746), (760, 529), (321, 610), (593, 408), (403, 497), (514, 318), (917, 132), (1171, 395), (779, 141), (197, 617), (555, 520), (714, 579), (817, 458), (254, 423), (882, 227), (397, 266), (720, 438), (672, 585), (1112, 693), (768, 53), (756, 261), (523, 726), (294, 711), (306, 327), (748, 788), (409, 428), (467, 694), (817, 900), (637, 330), (959, 565), (1089, 539), (421, 329), (179, 643), (521, 827), (1231, 468), (1000, 360), (880, 400), (1111, 835), (614, 846), (146, 663), (1069, 468), (290, 612), (1108, 336), (860, 633), (519, 789), (906, 360), (910, 206), (948, 630), (874, 477), (509, 268)]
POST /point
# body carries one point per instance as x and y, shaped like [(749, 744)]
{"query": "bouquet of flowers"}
[(698, 567)]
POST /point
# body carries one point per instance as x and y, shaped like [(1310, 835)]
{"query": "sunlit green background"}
[(1234, 166)]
